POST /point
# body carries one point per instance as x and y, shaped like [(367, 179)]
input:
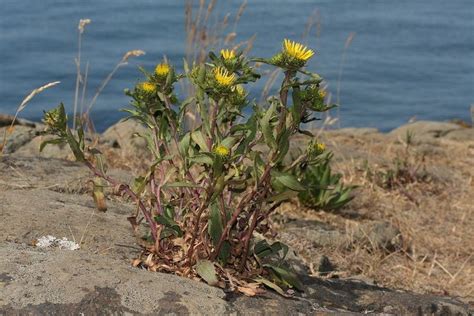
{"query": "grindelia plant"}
[(211, 187)]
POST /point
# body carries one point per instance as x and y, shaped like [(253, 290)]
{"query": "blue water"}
[(407, 59)]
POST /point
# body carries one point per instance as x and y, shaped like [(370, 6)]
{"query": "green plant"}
[(210, 189), (324, 190)]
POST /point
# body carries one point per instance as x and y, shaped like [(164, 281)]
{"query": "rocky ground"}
[(402, 246)]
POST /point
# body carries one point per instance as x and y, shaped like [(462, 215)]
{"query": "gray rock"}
[(360, 297), (354, 131), (296, 262), (26, 139), (122, 135), (54, 174), (461, 135), (18, 137), (6, 120), (317, 233), (423, 130), (378, 234), (32, 149), (60, 282)]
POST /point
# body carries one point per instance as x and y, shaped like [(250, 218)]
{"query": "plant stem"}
[(126, 189), (243, 203), (247, 238), (196, 228)]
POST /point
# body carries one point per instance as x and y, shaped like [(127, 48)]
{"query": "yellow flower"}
[(319, 147), (221, 151), (227, 54), (223, 77), (322, 93), (240, 90), (147, 87), (315, 148), (297, 50), (162, 70)]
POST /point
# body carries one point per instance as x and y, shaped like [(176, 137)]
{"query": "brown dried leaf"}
[(133, 222), (149, 260), (247, 291)]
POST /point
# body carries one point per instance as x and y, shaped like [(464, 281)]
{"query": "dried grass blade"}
[(22, 106)]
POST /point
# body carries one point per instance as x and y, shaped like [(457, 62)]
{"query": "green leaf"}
[(271, 285), (56, 141), (62, 117), (205, 159), (74, 145), (267, 127), (283, 145), (169, 212), (286, 276), (258, 164), (215, 231), (286, 195), (296, 108), (199, 139), (138, 185), (263, 249), (229, 141), (184, 144), (288, 180), (251, 131), (215, 223), (207, 271), (169, 223)]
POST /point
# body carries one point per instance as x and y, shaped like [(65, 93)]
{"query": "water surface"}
[(407, 59)]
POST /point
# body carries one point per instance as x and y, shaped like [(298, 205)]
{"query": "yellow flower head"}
[(227, 54), (297, 50), (322, 93), (51, 118), (319, 147), (221, 151), (223, 77), (147, 87), (162, 70), (316, 148), (240, 90)]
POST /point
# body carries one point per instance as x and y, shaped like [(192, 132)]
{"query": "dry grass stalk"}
[(347, 44), (202, 35), (82, 25), (84, 87), (81, 28), (121, 63), (313, 19), (21, 107)]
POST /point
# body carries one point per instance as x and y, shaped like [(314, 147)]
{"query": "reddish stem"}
[(126, 189)]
